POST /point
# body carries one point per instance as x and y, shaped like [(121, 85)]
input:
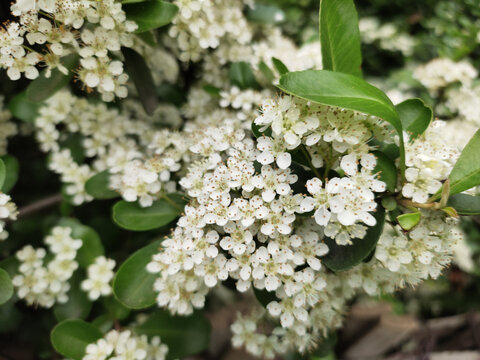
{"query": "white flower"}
[(100, 273), (271, 150), (392, 251)]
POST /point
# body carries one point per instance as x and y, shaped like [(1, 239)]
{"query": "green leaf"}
[(149, 38), (71, 337), (92, 245), (389, 203), (6, 287), (266, 71), (132, 216), (340, 37), (184, 335), (345, 91), (10, 317), (103, 322), (265, 14), (42, 87), (23, 109), (115, 308), (415, 116), (387, 170), (241, 75), (344, 257), (409, 221), (99, 186), (74, 143), (3, 172), (11, 173), (151, 14), (171, 94), (450, 211), (139, 71), (133, 284), (212, 90), (465, 204), (466, 172), (279, 66), (78, 305)]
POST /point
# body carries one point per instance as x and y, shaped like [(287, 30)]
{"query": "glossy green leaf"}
[(265, 14), (340, 37), (150, 14), (42, 87), (184, 335), (11, 173), (99, 186), (23, 109), (92, 245), (6, 287), (415, 116), (279, 66), (465, 204), (344, 257), (71, 337), (241, 75), (409, 221), (345, 91), (141, 75), (466, 172), (78, 305), (133, 284), (132, 216), (387, 172)]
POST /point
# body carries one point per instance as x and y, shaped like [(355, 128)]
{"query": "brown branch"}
[(39, 205)]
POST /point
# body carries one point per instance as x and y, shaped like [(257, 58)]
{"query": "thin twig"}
[(39, 205)]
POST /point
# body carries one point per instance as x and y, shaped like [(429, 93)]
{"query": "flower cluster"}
[(423, 252), (8, 211), (201, 25), (440, 72), (429, 160), (92, 29), (42, 279), (248, 222), (104, 136), (123, 345), (388, 36), (99, 275)]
